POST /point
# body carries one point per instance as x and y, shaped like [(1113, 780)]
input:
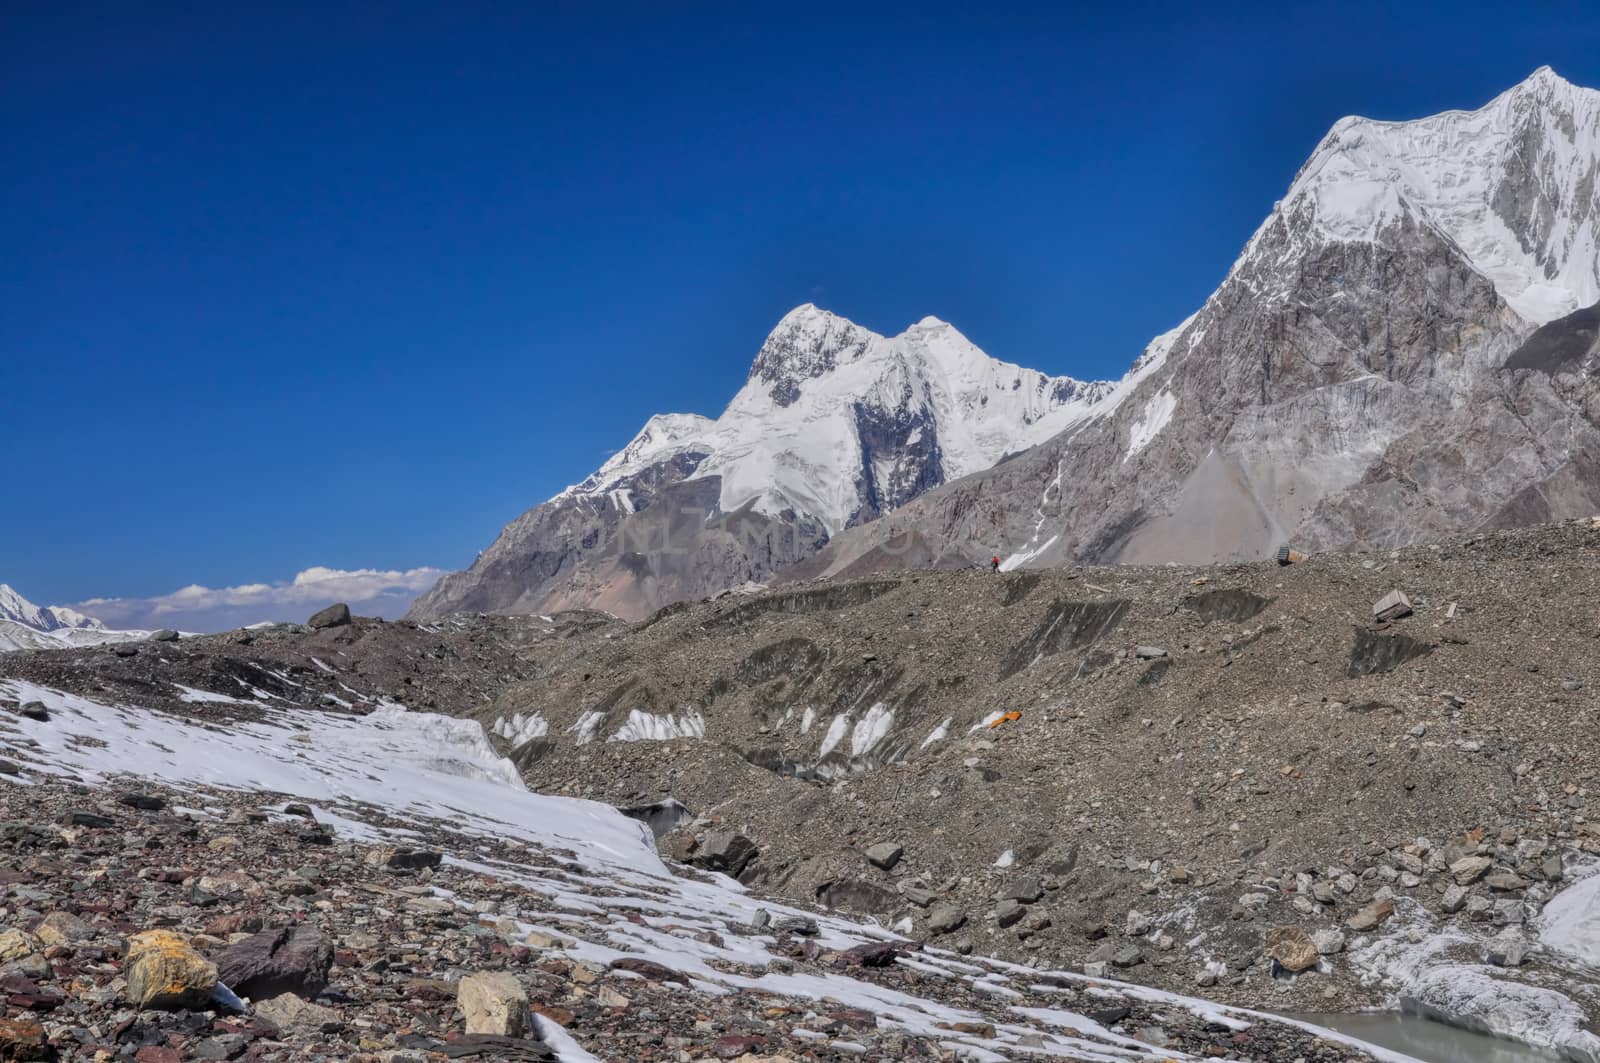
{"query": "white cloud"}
[(368, 591)]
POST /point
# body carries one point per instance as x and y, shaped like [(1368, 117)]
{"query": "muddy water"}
[(1433, 1042)]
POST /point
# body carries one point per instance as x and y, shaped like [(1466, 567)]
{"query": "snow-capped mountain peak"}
[(839, 423), (16, 608), (1514, 184)]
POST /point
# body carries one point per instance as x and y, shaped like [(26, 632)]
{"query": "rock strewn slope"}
[(1202, 754)]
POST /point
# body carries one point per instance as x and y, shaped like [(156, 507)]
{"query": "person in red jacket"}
[(994, 564)]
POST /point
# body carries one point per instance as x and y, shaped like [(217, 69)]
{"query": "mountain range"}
[(1403, 350)]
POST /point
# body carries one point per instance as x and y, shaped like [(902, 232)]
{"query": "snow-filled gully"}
[(419, 766)]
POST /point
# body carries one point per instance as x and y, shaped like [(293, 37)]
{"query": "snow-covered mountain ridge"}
[(800, 434), (25, 626), (1359, 378), (834, 426)]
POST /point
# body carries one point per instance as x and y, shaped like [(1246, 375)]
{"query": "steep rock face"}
[(835, 426), (1360, 377)]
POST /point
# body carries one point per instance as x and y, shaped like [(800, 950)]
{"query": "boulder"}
[(885, 855), (1391, 606), (858, 895), (494, 1002), (725, 852), (336, 615), (798, 925), (1506, 949), (1292, 948), (1027, 889), (1372, 916), (1128, 956), (18, 944), (943, 919), (63, 928), (1506, 881), (284, 960), (1009, 913), (400, 858), (483, 1046), (23, 1039), (294, 1015), (873, 954), (1470, 869), (166, 634), (163, 971)]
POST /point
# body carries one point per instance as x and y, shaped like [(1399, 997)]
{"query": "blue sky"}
[(286, 288)]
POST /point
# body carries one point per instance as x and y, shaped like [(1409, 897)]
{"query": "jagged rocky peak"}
[(808, 342)]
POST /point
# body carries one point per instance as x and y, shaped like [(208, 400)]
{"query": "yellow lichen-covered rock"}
[(15, 944), (163, 971)]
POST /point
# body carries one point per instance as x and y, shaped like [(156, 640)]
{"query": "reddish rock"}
[(23, 1040), (646, 969), (558, 1015), (23, 992), (872, 954), (734, 1047), (287, 960), (235, 923), (159, 1054)]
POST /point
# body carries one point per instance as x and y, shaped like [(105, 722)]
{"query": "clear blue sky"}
[(283, 289)]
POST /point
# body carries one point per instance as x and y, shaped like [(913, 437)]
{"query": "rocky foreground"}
[(162, 923), (1283, 787)]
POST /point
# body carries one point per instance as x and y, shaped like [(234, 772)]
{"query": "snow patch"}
[(206, 697), (870, 730), (1571, 923), (1157, 412), (519, 730), (588, 723), (836, 732), (938, 734), (644, 727)]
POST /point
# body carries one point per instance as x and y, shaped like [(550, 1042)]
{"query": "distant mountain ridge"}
[(25, 626), (1403, 351)]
